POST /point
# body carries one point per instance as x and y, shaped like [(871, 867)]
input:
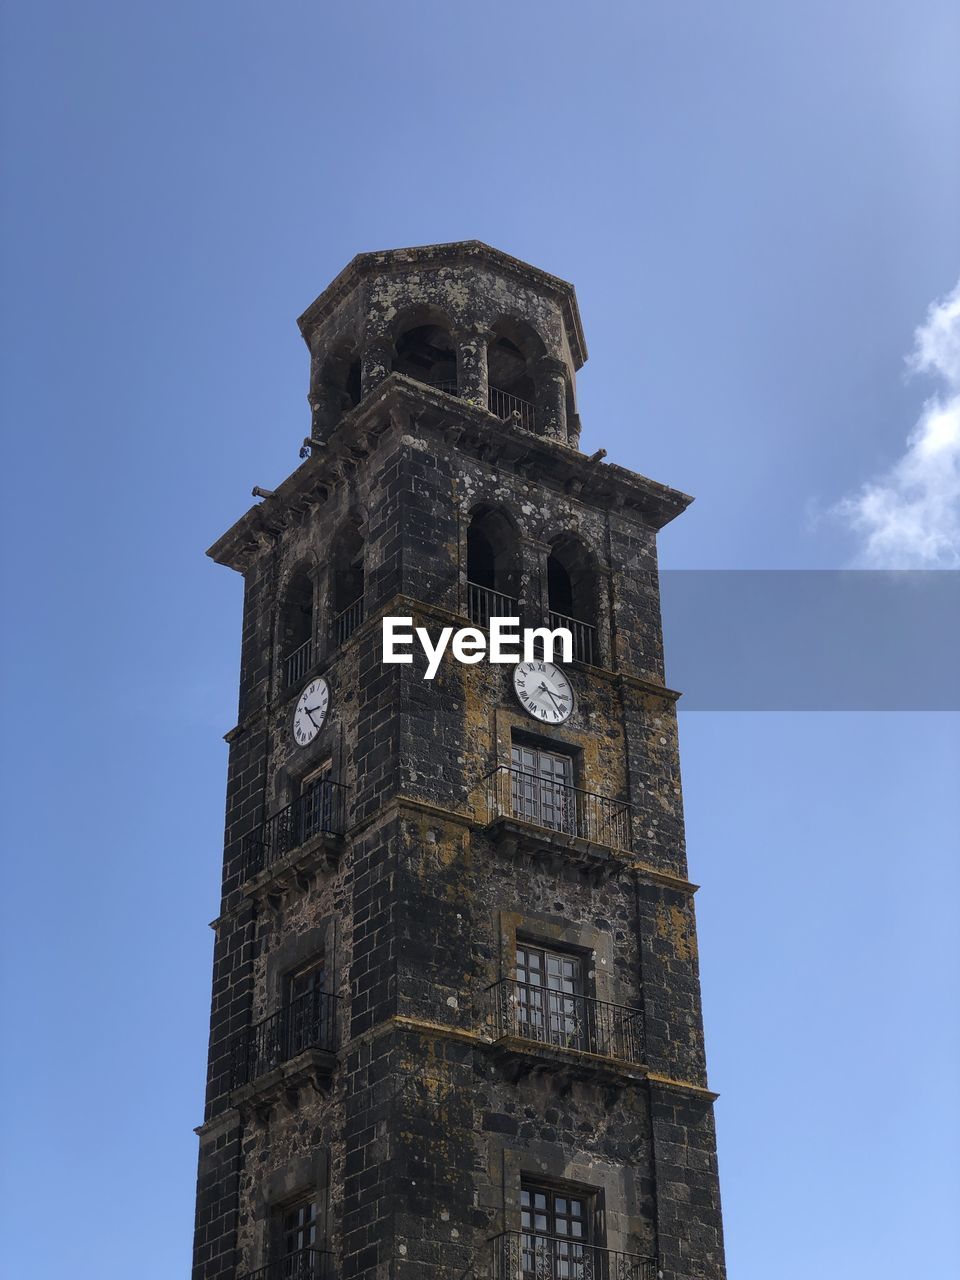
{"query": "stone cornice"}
[(465, 1035), (217, 1125), (647, 686), (386, 260), (392, 807), (682, 1086), (403, 1022), (464, 426), (665, 879)]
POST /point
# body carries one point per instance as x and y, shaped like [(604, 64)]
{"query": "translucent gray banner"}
[(812, 640)]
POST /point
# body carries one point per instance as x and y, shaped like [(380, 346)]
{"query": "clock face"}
[(544, 691), (311, 711)]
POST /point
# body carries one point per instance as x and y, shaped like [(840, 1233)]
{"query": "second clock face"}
[(311, 711), (544, 691)]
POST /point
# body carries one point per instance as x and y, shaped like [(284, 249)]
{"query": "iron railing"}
[(521, 1255), (503, 404), (320, 810), (543, 802), (308, 1022), (298, 663), (449, 386), (483, 603), (306, 1264), (346, 622), (546, 1016), (583, 635)]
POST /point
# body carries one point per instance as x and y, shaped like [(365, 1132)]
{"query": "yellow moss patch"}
[(674, 925)]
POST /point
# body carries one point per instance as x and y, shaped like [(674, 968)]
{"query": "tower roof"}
[(367, 264)]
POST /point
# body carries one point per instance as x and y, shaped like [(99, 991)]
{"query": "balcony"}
[(307, 1264), (449, 386), (307, 1023), (483, 603), (518, 1255), (347, 621), (549, 816), (505, 405), (319, 812), (539, 1016), (297, 664), (583, 635)]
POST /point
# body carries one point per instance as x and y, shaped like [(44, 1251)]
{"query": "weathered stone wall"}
[(471, 292), (417, 1138)]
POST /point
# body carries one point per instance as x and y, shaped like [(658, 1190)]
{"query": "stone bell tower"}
[(456, 1023)]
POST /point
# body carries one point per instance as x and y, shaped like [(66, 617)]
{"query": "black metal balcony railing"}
[(307, 1264), (545, 1016), (308, 1022), (440, 384), (514, 793), (483, 603), (297, 664), (347, 621), (319, 811), (520, 1255), (503, 404), (583, 635)]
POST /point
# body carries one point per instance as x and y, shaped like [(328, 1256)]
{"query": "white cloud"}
[(909, 518)]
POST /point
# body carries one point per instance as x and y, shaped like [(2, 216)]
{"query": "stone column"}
[(375, 363), (551, 380), (472, 374)]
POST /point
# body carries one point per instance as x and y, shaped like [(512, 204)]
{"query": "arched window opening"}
[(296, 629), (572, 596), (347, 584), (342, 375), (510, 371), (559, 587), (338, 389), (351, 385), (427, 352), (493, 568)]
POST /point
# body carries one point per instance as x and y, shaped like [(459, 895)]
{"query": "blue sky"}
[(758, 205)]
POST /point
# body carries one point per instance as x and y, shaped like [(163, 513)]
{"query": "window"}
[(572, 596), (427, 352), (309, 1011), (316, 803), (296, 629), (550, 997), (511, 359), (555, 1239), (542, 789), (336, 389), (299, 1257), (347, 583), (341, 374), (493, 567)]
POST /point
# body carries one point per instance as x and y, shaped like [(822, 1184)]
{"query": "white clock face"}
[(311, 711), (544, 691)]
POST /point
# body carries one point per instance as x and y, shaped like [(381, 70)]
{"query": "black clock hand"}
[(550, 694)]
